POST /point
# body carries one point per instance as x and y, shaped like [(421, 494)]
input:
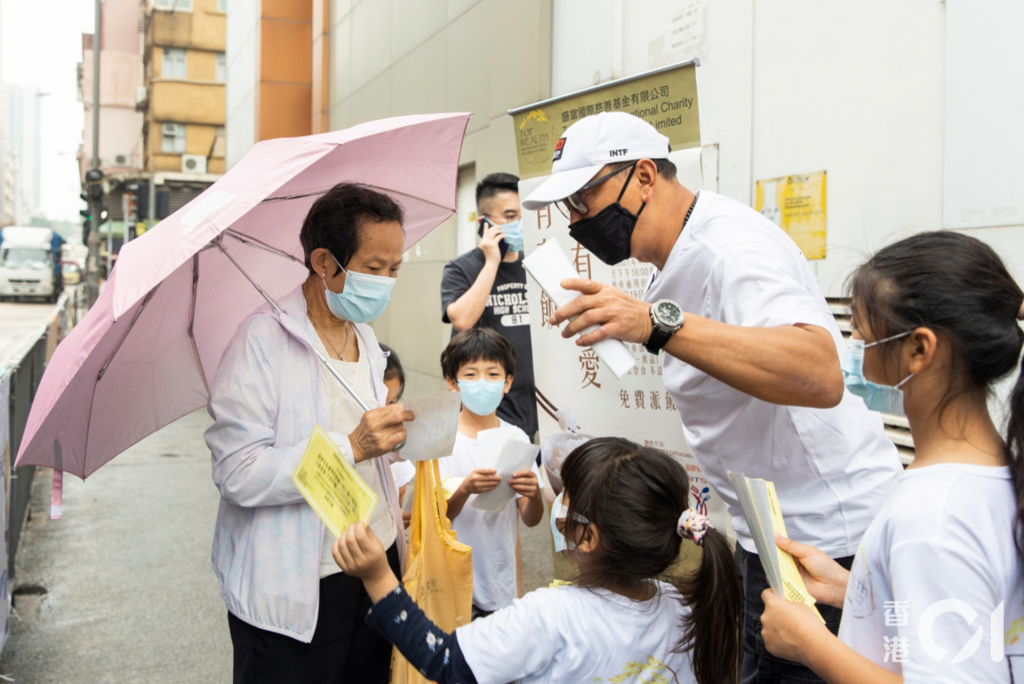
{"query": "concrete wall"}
[(393, 57), (270, 72), (793, 86), (243, 49)]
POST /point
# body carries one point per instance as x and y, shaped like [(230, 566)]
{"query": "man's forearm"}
[(794, 365), (465, 311)]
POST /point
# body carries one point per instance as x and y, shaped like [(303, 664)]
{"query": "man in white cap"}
[(751, 348)]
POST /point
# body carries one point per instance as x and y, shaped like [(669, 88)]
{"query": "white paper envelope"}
[(492, 442), (515, 456), (432, 434), (549, 266)]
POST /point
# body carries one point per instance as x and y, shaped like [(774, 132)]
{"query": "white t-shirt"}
[(492, 534), (571, 634), (944, 534), (343, 416), (832, 468), (403, 472)]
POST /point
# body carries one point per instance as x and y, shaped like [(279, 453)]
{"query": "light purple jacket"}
[(265, 400)]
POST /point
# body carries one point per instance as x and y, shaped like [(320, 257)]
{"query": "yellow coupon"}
[(331, 486)]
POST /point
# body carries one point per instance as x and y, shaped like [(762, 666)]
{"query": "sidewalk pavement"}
[(130, 596)]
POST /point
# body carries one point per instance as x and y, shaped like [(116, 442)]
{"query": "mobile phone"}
[(484, 221)]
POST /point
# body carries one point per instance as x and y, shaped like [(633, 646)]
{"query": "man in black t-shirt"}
[(486, 287)]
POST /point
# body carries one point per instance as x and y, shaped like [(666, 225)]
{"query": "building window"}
[(222, 67), (222, 5), (175, 63), (174, 5), (172, 138)]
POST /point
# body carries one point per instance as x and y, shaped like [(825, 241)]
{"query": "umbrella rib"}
[(135, 318), (377, 187), (245, 239), (99, 376), (192, 323)]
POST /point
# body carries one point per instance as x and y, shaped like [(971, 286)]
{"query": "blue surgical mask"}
[(482, 396), (513, 232), (363, 298), (559, 511), (881, 398)]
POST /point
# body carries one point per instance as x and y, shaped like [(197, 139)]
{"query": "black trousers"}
[(758, 665), (344, 648)]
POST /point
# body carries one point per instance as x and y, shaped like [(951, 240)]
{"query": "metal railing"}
[(25, 370)]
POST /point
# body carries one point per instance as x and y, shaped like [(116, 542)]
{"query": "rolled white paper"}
[(549, 266)]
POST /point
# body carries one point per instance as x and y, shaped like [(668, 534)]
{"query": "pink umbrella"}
[(142, 356)]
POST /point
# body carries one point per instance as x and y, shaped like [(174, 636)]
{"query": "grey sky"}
[(41, 43)]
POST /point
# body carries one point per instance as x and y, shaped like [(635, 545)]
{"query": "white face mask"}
[(363, 298), (877, 397), (560, 511)]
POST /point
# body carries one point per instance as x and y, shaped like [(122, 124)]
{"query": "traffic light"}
[(142, 201), (86, 215)]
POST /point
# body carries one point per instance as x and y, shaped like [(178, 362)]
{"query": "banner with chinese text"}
[(666, 99)]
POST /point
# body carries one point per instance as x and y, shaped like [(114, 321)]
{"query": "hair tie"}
[(693, 526), (1020, 312)]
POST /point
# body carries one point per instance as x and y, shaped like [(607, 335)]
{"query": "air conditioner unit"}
[(141, 93), (121, 160), (193, 163), (170, 129)]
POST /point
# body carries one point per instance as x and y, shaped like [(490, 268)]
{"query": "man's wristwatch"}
[(666, 319)]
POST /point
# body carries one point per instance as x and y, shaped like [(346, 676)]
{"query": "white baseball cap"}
[(589, 145)]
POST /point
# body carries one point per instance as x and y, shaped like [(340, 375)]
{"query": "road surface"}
[(20, 323)]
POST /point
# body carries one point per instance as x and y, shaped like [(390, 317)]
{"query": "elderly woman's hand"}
[(379, 432)]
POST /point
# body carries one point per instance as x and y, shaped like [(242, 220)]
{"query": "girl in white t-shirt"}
[(936, 592), (618, 622)]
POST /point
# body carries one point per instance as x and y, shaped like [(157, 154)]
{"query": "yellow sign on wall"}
[(797, 205), (666, 99)]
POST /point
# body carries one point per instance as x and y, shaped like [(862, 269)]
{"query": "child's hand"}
[(524, 483), (359, 553), (789, 629), (825, 579), (481, 480)]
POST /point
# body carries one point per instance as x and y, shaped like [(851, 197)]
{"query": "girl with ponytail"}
[(624, 513), (936, 592)]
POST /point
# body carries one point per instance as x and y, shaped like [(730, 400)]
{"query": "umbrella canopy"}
[(142, 356)]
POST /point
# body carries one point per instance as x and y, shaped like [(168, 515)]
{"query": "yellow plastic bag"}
[(439, 573)]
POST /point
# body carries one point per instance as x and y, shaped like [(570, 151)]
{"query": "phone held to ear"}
[(481, 224)]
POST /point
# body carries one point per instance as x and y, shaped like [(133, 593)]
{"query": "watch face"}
[(668, 313)]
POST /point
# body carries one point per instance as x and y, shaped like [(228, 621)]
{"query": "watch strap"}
[(658, 339)]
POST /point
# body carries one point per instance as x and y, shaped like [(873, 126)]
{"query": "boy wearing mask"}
[(480, 363), (486, 288)]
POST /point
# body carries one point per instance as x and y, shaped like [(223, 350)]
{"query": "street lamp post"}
[(94, 176)]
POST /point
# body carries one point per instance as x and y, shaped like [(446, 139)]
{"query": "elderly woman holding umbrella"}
[(293, 615)]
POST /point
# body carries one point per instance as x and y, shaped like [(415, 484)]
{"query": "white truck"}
[(30, 263)]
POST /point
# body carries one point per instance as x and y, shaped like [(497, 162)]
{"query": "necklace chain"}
[(327, 338), (690, 210)]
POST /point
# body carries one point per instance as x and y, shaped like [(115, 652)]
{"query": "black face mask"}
[(607, 234)]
